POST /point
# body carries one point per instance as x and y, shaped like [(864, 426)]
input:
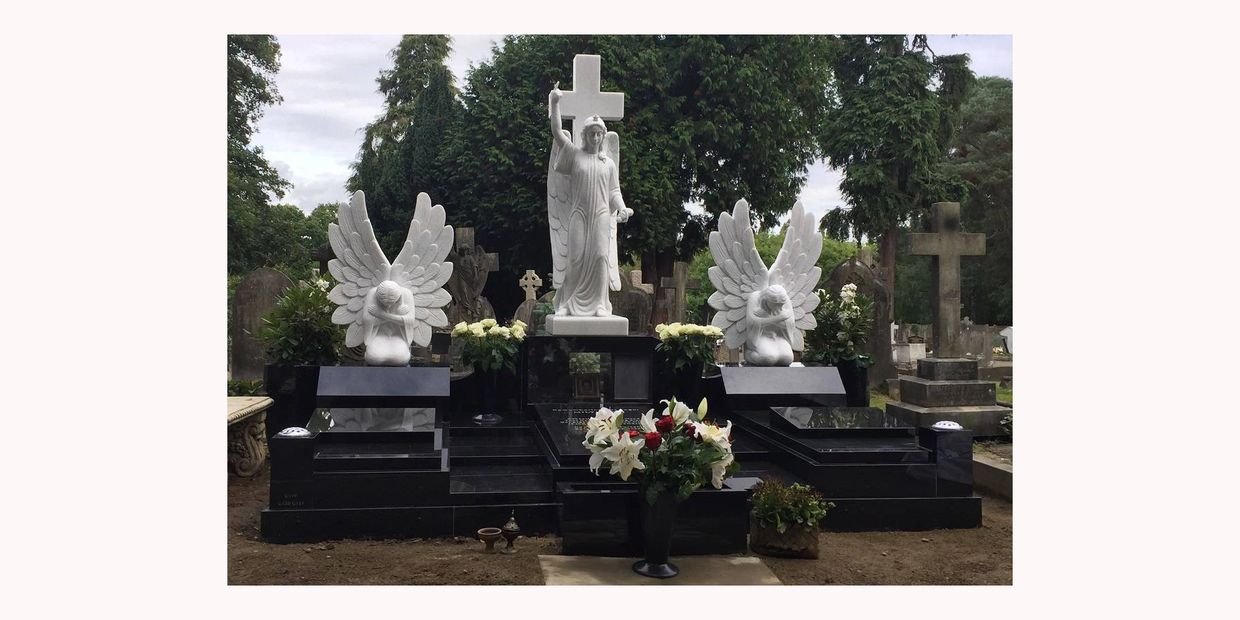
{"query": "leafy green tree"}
[(401, 152), (253, 61), (709, 119), (981, 154), (888, 128)]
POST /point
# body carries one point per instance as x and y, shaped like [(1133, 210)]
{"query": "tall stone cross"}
[(530, 283), (586, 99), (677, 287), (946, 245)]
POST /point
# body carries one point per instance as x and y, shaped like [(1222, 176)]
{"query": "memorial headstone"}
[(858, 271), (529, 283), (634, 304), (946, 244), (949, 389), (471, 264), (255, 296)]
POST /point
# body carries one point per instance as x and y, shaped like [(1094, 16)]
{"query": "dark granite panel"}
[(947, 369), (388, 489), (286, 526), (838, 422), (533, 518), (954, 459), (927, 393)]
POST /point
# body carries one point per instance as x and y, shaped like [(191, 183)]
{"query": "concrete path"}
[(699, 570)]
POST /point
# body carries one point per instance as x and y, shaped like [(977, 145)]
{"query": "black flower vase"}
[(657, 522), (856, 379), (685, 383), (488, 399)]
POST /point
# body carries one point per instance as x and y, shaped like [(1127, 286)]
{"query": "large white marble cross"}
[(586, 99)]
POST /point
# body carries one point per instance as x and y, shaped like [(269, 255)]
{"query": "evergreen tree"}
[(253, 61), (888, 129)]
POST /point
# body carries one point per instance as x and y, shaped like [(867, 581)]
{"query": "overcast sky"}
[(329, 90)]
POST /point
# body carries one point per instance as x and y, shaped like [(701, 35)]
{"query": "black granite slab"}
[(380, 386), (910, 514), (839, 422), (757, 387), (626, 368), (947, 369), (896, 446), (934, 393), (301, 525)]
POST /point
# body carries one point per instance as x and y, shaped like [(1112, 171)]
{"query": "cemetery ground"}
[(939, 557)]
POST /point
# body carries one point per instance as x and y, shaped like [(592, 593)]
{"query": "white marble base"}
[(587, 325)]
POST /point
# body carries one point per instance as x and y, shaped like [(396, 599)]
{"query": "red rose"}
[(665, 424), (653, 440), (690, 429), (634, 434)]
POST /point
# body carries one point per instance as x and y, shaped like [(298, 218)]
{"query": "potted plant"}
[(783, 520), (299, 337), (844, 323), (585, 369), (685, 349), (671, 456), (491, 349)]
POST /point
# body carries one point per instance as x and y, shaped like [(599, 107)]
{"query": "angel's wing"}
[(422, 268), (611, 146), (796, 270), (557, 214), (738, 273), (358, 267)]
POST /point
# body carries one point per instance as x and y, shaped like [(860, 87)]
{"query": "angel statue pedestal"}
[(587, 325)]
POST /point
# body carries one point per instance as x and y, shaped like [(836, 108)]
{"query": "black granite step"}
[(512, 482), (899, 448)]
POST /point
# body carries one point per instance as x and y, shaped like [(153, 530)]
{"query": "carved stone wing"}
[(557, 215), (359, 265), (796, 269), (423, 269), (738, 272), (611, 146)]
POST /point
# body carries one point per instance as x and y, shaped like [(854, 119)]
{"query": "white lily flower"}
[(623, 453), (596, 456), (716, 436), (602, 425), (701, 410), (647, 422), (680, 412), (719, 468)]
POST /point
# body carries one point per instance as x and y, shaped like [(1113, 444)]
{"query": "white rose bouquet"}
[(687, 343), (489, 346)]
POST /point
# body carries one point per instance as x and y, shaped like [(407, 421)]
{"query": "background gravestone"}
[(529, 284), (255, 296), (470, 266), (878, 343), (945, 245), (633, 303)]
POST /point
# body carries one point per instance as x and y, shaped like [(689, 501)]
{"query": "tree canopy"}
[(709, 119), (253, 61)]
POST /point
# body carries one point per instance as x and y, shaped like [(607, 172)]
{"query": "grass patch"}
[(1003, 393)]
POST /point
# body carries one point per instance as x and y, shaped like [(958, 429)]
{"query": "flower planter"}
[(856, 380), (685, 384), (798, 541), (293, 389)]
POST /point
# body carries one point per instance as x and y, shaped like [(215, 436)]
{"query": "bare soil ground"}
[(998, 450), (977, 556)]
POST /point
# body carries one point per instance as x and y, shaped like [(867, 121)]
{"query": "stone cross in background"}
[(529, 283), (677, 288), (255, 296), (470, 266), (586, 99), (946, 244)]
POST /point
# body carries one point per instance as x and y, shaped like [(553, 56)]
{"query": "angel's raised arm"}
[(553, 114)]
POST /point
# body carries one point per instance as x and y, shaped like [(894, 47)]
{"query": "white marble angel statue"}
[(767, 311), (388, 306), (583, 206)]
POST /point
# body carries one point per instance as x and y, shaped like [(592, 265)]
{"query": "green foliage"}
[(584, 363), (887, 130), (775, 504), (981, 154), (246, 387), (707, 118), (682, 344), (844, 322), (833, 253), (488, 346), (402, 152), (253, 61), (300, 330)]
